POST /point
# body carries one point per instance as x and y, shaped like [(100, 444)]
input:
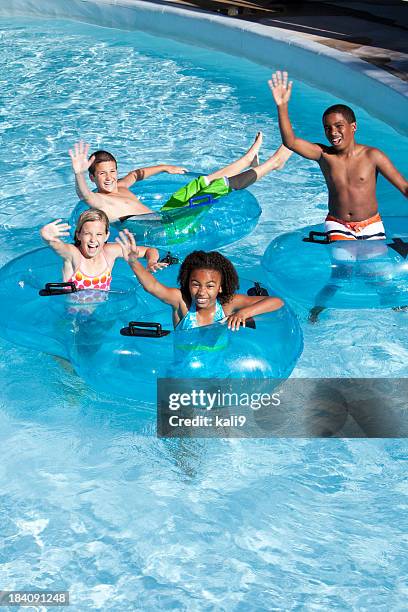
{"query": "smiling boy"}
[(113, 195), (350, 169)]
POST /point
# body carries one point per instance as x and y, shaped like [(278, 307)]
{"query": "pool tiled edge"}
[(379, 92)]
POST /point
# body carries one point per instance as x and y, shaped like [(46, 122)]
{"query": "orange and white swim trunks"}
[(369, 229)]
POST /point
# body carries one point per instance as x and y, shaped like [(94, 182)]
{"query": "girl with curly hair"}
[(208, 284)]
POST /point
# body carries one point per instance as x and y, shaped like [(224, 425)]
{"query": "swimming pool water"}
[(91, 501)]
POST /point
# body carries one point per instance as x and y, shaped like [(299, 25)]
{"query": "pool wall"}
[(350, 78)]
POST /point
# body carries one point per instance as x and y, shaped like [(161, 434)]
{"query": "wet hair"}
[(100, 156), (342, 109), (93, 214), (200, 260)]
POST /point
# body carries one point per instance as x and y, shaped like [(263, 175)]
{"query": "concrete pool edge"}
[(380, 93)]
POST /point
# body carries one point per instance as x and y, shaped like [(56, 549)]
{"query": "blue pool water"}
[(91, 501)]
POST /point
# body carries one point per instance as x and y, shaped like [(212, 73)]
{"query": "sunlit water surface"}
[(91, 501)]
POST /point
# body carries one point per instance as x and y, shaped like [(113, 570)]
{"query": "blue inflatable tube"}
[(202, 225), (306, 270), (129, 365), (53, 324), (85, 328)]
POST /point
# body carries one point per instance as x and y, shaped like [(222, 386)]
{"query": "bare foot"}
[(253, 152), (282, 155), (314, 313)]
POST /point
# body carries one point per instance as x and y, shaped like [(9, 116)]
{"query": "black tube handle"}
[(144, 329), (58, 289), (314, 237), (169, 259), (257, 290)]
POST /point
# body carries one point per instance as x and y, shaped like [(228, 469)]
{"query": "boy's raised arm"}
[(281, 90), (143, 173), (80, 165)]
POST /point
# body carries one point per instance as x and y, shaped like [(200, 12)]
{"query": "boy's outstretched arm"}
[(168, 295), (143, 173), (281, 90), (390, 172)]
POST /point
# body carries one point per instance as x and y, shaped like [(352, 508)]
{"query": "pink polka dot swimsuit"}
[(101, 282)]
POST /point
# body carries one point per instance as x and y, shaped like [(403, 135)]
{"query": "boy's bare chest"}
[(350, 172), (126, 196)]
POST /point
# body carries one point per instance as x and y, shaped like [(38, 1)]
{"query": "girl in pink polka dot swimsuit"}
[(88, 263)]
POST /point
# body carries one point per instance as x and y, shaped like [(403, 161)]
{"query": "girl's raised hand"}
[(79, 157), (280, 87), (127, 243), (54, 230), (154, 266)]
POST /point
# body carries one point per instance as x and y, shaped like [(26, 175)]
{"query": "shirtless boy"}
[(113, 196), (350, 169), (117, 202)]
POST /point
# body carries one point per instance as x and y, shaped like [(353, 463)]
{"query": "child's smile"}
[(92, 238), (106, 177), (92, 249), (205, 286), (339, 131)]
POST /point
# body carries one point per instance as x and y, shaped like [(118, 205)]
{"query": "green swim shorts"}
[(196, 187)]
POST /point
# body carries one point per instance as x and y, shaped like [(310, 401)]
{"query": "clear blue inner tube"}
[(128, 365), (85, 328), (200, 226), (50, 324), (344, 274)]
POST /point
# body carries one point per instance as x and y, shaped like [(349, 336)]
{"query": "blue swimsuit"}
[(189, 321)]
